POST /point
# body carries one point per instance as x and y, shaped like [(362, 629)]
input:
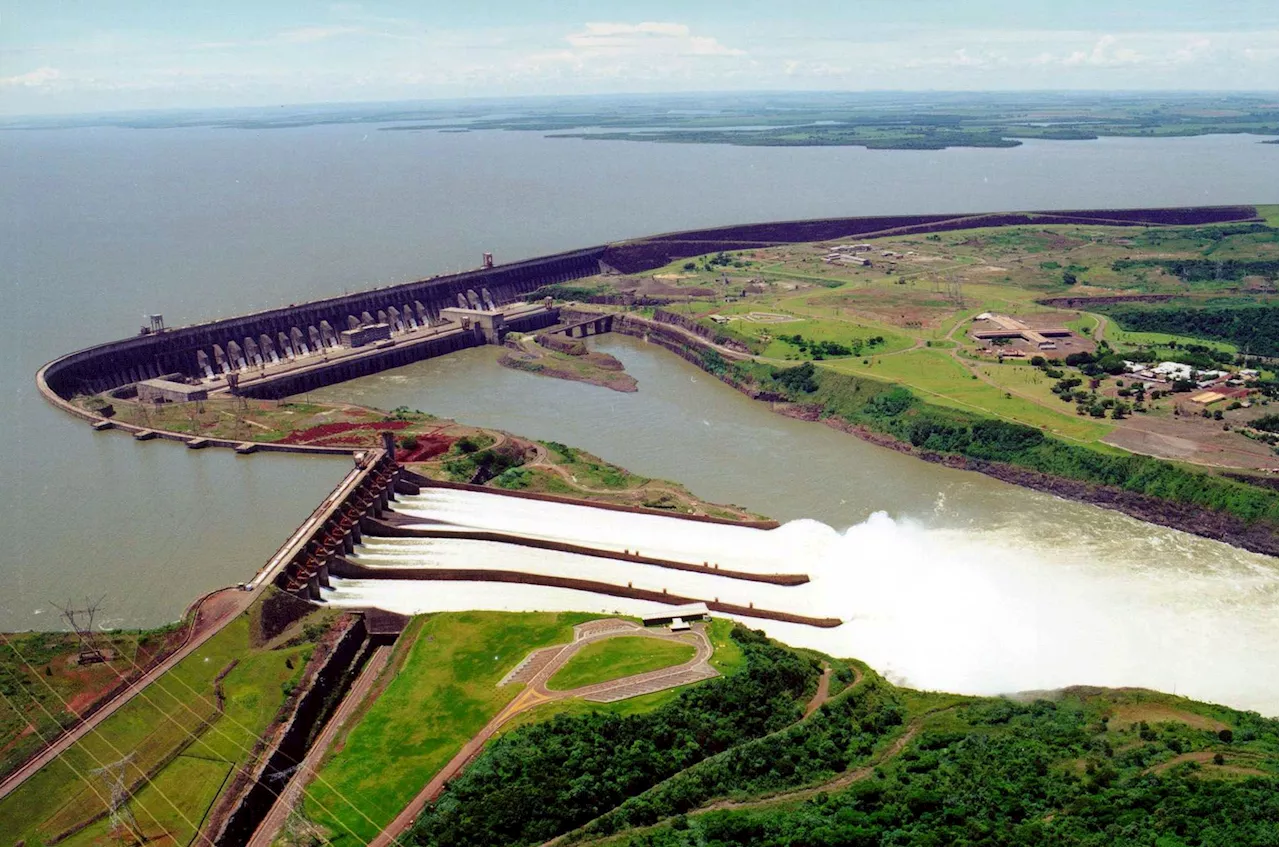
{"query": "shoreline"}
[(1205, 523)]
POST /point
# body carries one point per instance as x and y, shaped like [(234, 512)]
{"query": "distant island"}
[(875, 120)]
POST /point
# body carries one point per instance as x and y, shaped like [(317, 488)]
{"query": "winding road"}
[(535, 670)]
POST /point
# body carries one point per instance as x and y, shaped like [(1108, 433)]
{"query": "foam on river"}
[(962, 610)]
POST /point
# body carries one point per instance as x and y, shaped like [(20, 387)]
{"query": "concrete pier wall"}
[(345, 568)]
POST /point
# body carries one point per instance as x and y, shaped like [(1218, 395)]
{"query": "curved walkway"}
[(538, 667)]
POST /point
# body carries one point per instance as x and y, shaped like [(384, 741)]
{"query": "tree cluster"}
[(1031, 775), (545, 779), (1252, 327)]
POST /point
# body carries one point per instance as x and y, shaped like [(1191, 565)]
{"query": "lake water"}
[(103, 226)]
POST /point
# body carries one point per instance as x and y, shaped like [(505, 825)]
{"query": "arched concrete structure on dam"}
[(308, 327)]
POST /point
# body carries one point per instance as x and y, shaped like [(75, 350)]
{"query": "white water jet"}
[(965, 610)]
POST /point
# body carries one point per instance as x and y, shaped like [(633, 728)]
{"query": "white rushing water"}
[(963, 610)]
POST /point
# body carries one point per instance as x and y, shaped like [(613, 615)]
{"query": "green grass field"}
[(614, 658), (726, 657), (161, 722), (939, 379), (1122, 339), (443, 695)]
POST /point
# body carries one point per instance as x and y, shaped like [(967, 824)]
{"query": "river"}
[(948, 580), (103, 226)]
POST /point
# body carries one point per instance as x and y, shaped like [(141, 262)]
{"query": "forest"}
[(731, 762), (1035, 774), (1250, 327), (547, 778)]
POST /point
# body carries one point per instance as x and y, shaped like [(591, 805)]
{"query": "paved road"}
[(230, 603), (288, 799), (536, 693)]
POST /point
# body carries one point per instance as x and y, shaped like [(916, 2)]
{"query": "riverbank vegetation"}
[(826, 327), (891, 122), (560, 357)]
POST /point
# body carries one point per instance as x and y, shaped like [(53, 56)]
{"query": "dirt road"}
[(212, 612)]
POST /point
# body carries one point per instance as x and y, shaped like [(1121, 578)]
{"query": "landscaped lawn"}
[(614, 658), (726, 657), (445, 692)]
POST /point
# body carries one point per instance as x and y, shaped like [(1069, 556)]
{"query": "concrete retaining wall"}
[(427, 482), (343, 567), (394, 529), (254, 791)]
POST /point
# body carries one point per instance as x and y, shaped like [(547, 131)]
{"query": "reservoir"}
[(104, 226)]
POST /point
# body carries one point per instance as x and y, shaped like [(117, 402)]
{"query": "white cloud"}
[(39, 78), (646, 38), (312, 34)]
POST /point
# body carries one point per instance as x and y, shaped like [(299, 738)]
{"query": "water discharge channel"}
[(945, 579)]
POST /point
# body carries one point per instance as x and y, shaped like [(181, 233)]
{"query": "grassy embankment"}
[(570, 472), (614, 658), (943, 381), (726, 657), (788, 305), (183, 749), (443, 691), (37, 704), (887, 408)]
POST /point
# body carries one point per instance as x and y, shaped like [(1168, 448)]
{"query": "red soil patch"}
[(84, 699), (325, 433), (429, 446)]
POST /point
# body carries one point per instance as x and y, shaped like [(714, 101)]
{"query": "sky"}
[(68, 56)]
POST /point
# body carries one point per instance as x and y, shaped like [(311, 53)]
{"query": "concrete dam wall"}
[(223, 346), (410, 314)]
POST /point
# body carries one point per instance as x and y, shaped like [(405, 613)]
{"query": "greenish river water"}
[(952, 557)]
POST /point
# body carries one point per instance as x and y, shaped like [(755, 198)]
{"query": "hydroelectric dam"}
[(384, 526)]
